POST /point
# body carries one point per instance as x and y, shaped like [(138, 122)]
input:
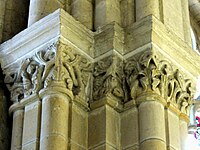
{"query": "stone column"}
[(82, 10), (55, 116), (41, 8), (127, 12), (152, 126), (17, 131), (186, 22), (147, 7), (173, 130), (32, 122), (106, 12)]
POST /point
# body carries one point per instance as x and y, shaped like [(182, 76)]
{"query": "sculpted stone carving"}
[(108, 79), (112, 76), (33, 72), (149, 74), (76, 72), (58, 63)]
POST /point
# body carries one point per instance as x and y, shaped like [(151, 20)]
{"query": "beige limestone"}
[(173, 128), (54, 123), (79, 128), (183, 133), (82, 10), (174, 19), (96, 128), (104, 11), (41, 8), (186, 22), (31, 129), (127, 12), (129, 129), (17, 130), (147, 7), (152, 126)]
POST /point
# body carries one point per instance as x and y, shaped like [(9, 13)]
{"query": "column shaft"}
[(186, 22), (107, 12), (103, 129), (127, 12), (152, 126), (17, 130), (173, 130), (147, 7), (82, 10), (41, 8), (54, 128), (31, 130)]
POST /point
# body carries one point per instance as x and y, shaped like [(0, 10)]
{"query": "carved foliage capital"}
[(58, 64), (148, 73), (109, 79)]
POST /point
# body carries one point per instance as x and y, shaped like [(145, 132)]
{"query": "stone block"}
[(127, 12), (96, 127), (129, 129), (112, 128), (79, 127), (31, 130), (152, 123), (174, 130)]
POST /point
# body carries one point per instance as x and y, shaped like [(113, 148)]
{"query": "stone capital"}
[(57, 68)]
